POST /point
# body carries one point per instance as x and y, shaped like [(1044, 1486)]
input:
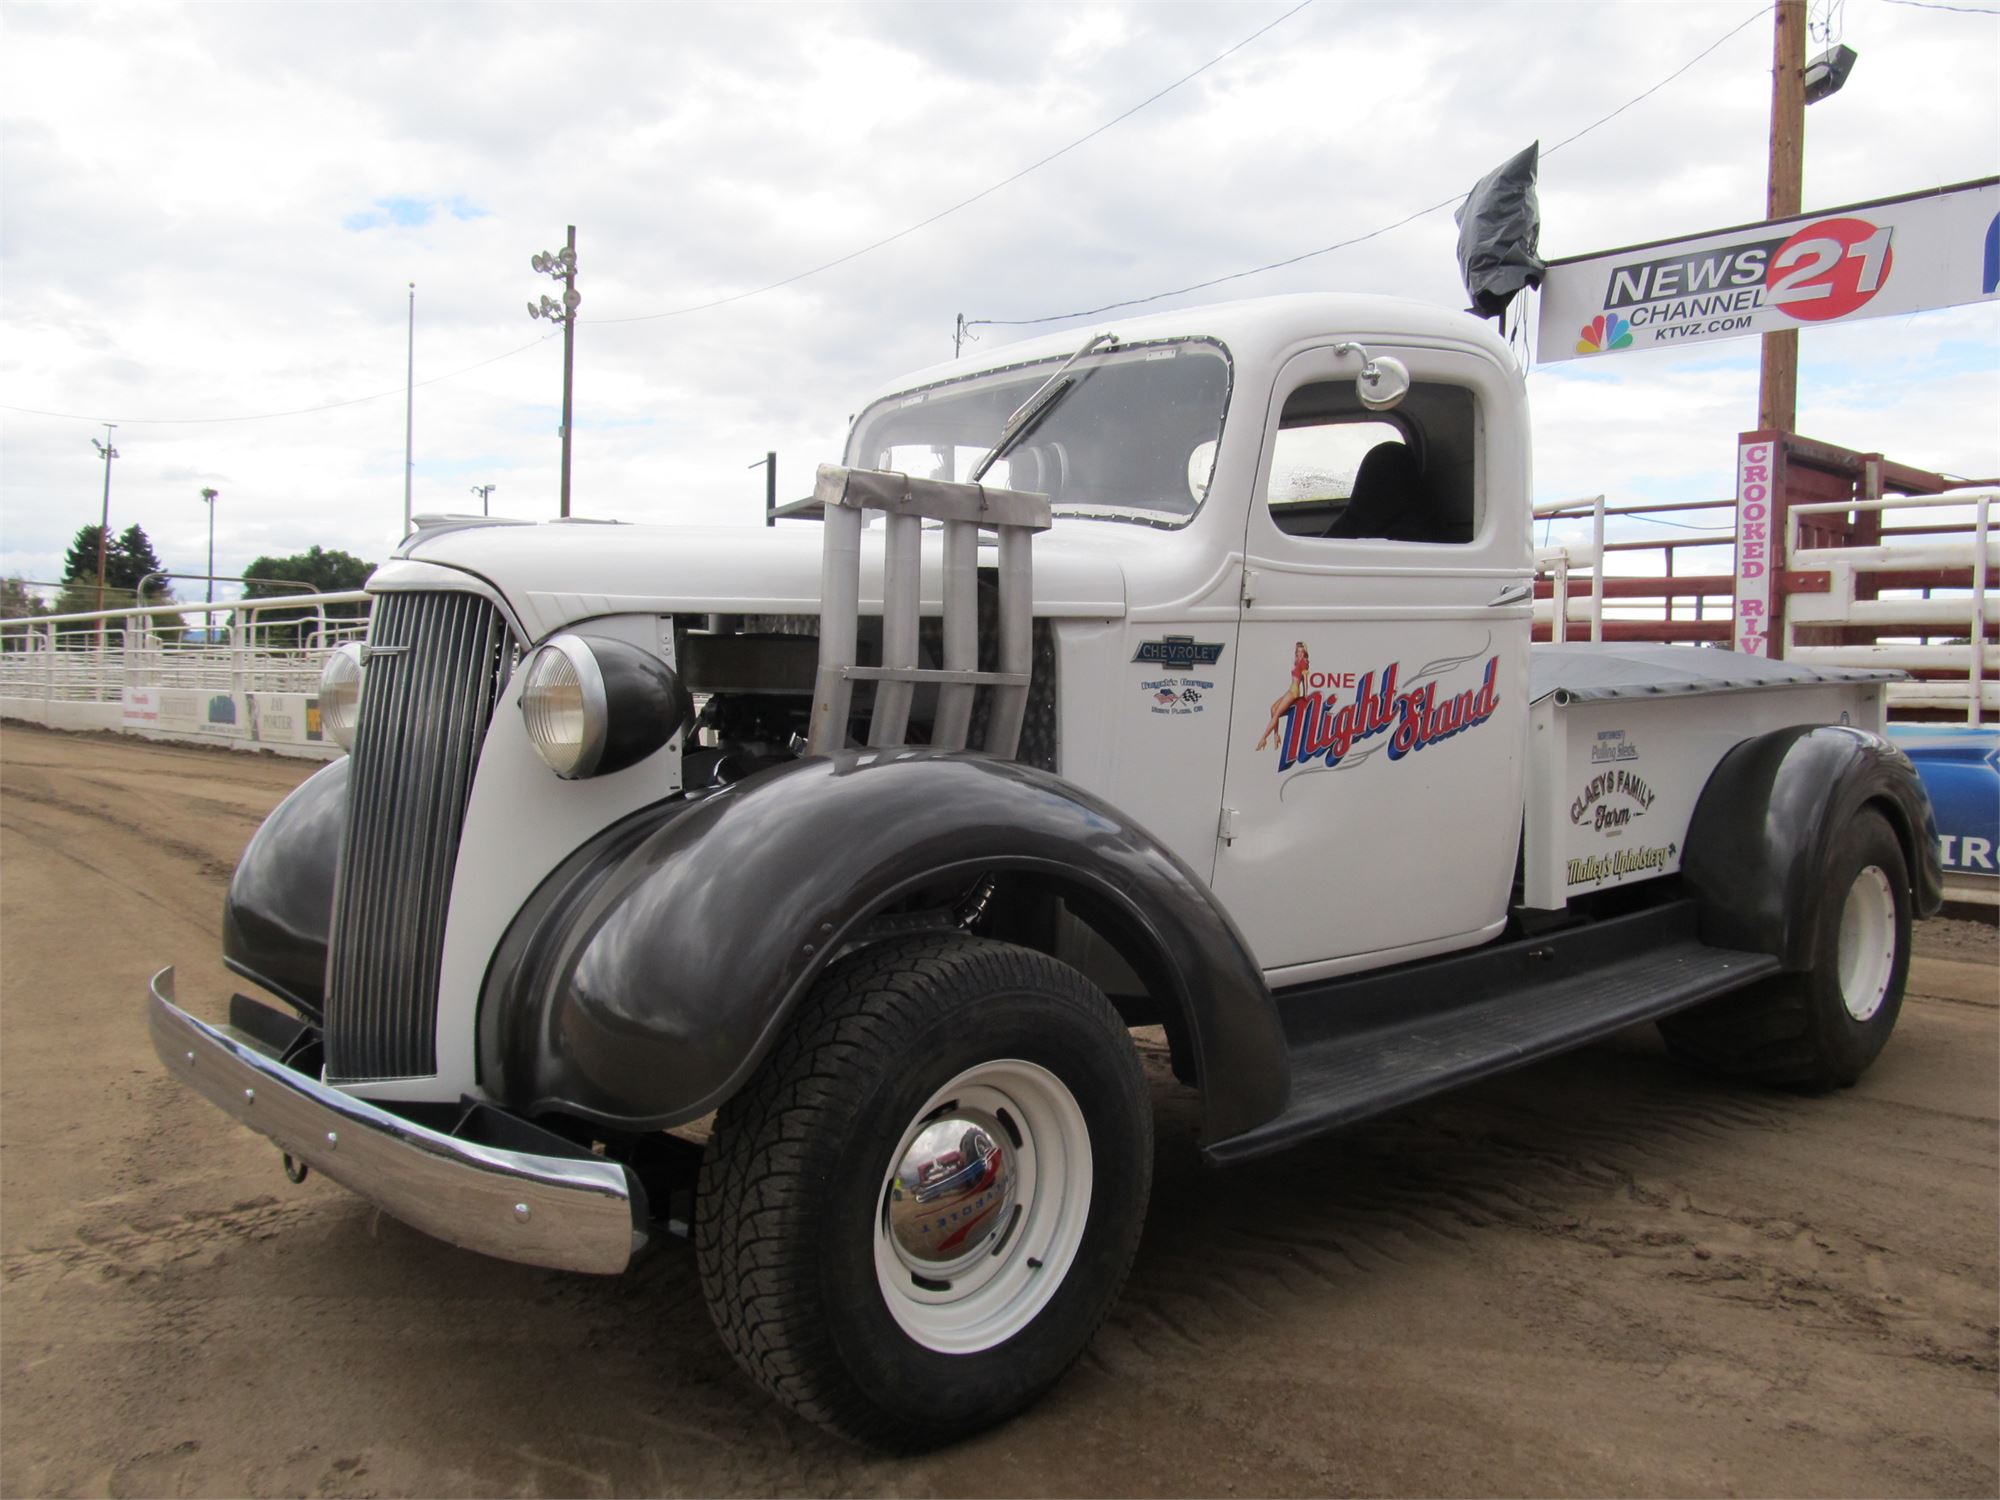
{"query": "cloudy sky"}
[(210, 214)]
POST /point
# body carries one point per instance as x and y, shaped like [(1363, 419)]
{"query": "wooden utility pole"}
[(1778, 382), (107, 452), (562, 266), (570, 301)]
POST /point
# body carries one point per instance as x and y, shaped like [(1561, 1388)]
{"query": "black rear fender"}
[(1766, 821), (653, 972)]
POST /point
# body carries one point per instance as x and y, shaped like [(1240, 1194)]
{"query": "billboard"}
[(1871, 260)]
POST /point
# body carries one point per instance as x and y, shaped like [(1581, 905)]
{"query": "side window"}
[(1343, 473), (1313, 469)]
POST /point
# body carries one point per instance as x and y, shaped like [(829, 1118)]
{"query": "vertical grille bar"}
[(436, 666)]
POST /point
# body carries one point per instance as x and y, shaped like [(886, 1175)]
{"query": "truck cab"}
[(1264, 517)]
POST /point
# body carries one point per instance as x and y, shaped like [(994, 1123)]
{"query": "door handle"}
[(1514, 593)]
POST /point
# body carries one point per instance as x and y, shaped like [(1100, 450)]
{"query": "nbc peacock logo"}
[(1604, 332)]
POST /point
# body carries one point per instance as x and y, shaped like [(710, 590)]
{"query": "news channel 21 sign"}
[(1870, 260)]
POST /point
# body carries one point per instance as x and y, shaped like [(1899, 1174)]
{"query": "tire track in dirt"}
[(1435, 1182)]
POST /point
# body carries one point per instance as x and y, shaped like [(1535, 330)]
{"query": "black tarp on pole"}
[(1499, 234)]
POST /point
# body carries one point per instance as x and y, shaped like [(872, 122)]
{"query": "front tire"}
[(1822, 1028), (913, 1218)]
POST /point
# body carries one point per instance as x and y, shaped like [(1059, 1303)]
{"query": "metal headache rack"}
[(845, 495)]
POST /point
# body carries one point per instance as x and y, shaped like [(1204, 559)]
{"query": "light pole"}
[(484, 492), (769, 464), (409, 413), (562, 266), (209, 496), (104, 525)]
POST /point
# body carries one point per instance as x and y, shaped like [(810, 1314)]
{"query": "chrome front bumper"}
[(572, 1213)]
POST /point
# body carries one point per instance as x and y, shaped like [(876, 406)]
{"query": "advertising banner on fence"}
[(179, 711), (1870, 260), (283, 719), (288, 723)]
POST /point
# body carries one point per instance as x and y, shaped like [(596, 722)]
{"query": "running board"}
[(1375, 1042)]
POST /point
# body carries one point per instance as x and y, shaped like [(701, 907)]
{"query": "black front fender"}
[(1765, 823), (279, 911), (652, 973)]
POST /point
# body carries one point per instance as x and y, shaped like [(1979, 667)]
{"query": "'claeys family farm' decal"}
[(1335, 720)]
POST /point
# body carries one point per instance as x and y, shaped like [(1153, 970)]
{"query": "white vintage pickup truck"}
[(1182, 678)]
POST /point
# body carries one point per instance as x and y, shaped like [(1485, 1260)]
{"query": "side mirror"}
[(1384, 380), (1382, 383)]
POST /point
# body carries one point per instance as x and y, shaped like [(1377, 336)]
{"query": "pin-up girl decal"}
[(1294, 690)]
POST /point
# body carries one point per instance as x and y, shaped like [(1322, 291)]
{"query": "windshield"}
[(1133, 439)]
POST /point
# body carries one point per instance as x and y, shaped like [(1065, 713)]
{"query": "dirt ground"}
[(1605, 1275)]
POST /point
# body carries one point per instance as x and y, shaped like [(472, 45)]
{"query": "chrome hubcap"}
[(1867, 955), (953, 1193), (984, 1203)]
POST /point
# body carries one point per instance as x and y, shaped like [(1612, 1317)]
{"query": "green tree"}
[(322, 570), (128, 561)]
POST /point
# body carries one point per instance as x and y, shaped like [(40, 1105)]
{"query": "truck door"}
[(1373, 790)]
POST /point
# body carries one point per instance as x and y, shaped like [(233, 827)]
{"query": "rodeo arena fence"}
[(1827, 557), (248, 677), (1823, 556)]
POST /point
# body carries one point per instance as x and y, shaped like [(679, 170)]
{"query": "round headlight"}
[(595, 705), (340, 695), (564, 705)]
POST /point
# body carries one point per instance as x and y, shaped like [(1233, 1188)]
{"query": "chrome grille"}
[(436, 665)]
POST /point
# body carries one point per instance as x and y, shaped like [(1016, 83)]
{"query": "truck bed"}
[(1622, 740), (1583, 672)]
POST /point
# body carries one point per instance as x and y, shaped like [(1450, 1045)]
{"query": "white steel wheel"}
[(1867, 951), (983, 1205)]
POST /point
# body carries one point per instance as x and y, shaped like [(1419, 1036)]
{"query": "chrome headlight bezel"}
[(628, 704), (558, 664), (342, 680)]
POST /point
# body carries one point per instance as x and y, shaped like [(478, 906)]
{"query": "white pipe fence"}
[(1937, 631), (251, 681)]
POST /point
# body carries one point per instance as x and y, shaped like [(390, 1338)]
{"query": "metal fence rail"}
[(93, 657), (1920, 599), (251, 680)]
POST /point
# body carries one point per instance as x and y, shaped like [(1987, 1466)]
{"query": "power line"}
[(986, 192), (1964, 10), (1276, 265), (264, 416), (1756, 15), (677, 312), (1279, 265)]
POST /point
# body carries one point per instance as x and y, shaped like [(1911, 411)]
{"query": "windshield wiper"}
[(1028, 415)]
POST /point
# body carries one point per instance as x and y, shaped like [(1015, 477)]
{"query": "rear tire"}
[(914, 1217), (1820, 1029)]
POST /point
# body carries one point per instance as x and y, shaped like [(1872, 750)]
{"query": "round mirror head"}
[(1383, 382)]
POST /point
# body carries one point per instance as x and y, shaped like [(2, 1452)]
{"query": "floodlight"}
[(1827, 72)]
